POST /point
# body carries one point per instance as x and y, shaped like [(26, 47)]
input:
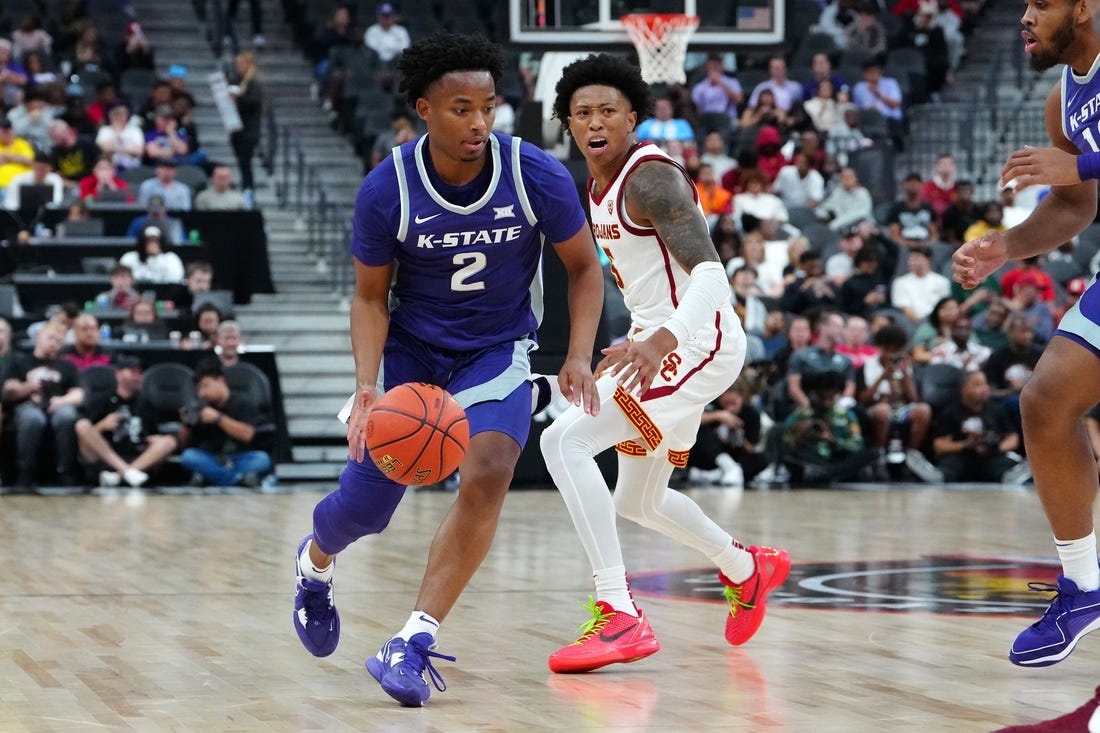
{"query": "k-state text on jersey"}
[(465, 239)]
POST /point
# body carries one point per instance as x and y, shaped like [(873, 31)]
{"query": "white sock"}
[(312, 572), (418, 623), (611, 588), (735, 562), (1079, 561)]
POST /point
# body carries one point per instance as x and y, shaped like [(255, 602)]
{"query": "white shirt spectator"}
[(919, 292), (764, 206), (128, 138), (167, 267), (387, 42), (847, 204), (872, 370), (31, 121), (839, 267), (209, 199), (798, 190), (972, 358), (835, 19), (26, 178), (505, 120), (825, 113)]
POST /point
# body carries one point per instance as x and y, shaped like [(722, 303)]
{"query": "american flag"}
[(754, 19)]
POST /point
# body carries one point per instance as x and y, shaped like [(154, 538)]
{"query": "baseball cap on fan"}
[(1029, 279), (385, 9), (1077, 286), (127, 361)]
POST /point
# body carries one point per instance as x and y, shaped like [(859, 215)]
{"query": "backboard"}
[(587, 24)]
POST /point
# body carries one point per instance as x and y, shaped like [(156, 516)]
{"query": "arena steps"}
[(306, 320)]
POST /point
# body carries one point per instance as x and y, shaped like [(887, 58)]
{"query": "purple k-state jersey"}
[(468, 276), (1081, 108)]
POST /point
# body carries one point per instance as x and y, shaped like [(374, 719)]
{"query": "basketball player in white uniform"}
[(685, 348)]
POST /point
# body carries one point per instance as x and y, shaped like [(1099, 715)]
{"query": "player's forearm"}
[(1059, 217), (585, 301), (370, 323)]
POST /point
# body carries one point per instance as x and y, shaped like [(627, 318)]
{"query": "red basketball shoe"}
[(1079, 721), (748, 600), (609, 636)]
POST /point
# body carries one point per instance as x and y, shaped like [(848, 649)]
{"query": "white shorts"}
[(667, 415)]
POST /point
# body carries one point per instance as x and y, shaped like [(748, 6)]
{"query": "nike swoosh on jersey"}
[(610, 638), (421, 219)]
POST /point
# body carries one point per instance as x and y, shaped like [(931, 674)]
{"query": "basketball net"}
[(662, 41)]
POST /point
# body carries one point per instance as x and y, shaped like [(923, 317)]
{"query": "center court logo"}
[(933, 584)]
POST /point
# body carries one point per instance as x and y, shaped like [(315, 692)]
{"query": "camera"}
[(191, 414)]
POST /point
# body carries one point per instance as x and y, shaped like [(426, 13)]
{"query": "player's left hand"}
[(1031, 166), (578, 385), (357, 423), (636, 363)]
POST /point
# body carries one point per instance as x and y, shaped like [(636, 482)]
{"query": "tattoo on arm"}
[(662, 194)]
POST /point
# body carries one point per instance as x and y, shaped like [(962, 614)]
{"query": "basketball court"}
[(164, 612)]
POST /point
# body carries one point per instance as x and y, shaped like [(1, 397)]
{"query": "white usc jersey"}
[(650, 280)]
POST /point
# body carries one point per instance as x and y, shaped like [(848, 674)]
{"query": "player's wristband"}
[(1088, 166), (708, 289)]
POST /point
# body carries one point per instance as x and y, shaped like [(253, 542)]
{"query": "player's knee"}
[(632, 506), (563, 443), (335, 529), (1041, 401), (487, 477)]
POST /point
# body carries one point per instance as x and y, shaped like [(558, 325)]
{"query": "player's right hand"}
[(357, 423), (978, 258)]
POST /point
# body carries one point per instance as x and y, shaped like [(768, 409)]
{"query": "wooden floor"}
[(149, 612)]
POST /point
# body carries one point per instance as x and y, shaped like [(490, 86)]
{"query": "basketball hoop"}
[(662, 41)]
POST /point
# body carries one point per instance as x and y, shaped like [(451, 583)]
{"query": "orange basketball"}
[(417, 433)]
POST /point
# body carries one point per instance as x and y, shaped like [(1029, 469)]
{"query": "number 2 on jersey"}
[(471, 263)]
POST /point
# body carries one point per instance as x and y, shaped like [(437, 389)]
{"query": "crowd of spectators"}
[(77, 89), (88, 119), (865, 360)]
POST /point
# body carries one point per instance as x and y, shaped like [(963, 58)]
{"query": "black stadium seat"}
[(166, 388), (98, 383), (248, 380)]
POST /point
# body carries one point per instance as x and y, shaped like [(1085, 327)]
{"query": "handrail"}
[(326, 221)]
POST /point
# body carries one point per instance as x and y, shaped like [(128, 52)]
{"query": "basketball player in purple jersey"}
[(1066, 381), (456, 220), (685, 347)]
